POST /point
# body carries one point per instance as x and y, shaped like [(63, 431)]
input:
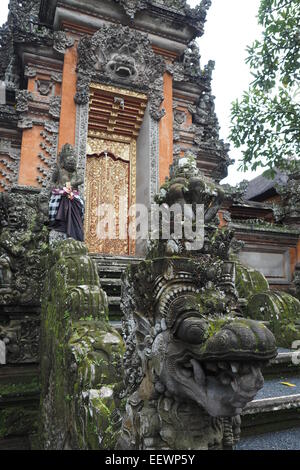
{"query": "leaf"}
[(267, 119), (287, 384)]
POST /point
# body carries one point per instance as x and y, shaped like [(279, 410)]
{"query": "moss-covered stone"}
[(20, 388), (281, 311), (211, 301), (249, 282), (81, 356), (18, 420), (18, 417)]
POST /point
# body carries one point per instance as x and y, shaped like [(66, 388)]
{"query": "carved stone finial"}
[(131, 7)]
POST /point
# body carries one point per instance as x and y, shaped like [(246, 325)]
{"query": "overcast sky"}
[(231, 26)]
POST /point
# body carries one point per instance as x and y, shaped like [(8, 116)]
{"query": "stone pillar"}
[(67, 127), (166, 130)]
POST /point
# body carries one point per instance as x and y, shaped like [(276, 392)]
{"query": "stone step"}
[(111, 269), (115, 263), (19, 386), (19, 405), (284, 363), (115, 301), (107, 282), (275, 408)]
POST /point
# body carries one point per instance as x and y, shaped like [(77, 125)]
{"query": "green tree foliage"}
[(266, 121)]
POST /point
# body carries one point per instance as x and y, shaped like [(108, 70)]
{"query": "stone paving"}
[(281, 440)]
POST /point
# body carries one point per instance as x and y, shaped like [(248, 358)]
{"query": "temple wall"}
[(38, 110), (273, 254), (31, 142)]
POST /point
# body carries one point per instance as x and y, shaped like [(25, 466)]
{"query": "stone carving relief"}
[(22, 98), (9, 164), (31, 110), (44, 87), (30, 72), (82, 117), (66, 169), (25, 123), (131, 7), (192, 360), (204, 131), (191, 61), (12, 75), (21, 339), (179, 5), (48, 153), (55, 107), (62, 42), (23, 238), (56, 77), (30, 12), (121, 56), (179, 121)]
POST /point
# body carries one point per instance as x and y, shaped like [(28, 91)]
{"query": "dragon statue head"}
[(192, 361)]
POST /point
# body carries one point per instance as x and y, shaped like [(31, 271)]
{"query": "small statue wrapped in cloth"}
[(66, 208)]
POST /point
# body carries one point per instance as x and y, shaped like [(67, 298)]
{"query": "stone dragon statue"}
[(192, 361)]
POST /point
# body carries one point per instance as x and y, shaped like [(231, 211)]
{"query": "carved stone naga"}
[(192, 362)]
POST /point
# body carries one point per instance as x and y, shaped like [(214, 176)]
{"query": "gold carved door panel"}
[(110, 191)]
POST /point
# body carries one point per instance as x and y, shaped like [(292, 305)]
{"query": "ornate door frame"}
[(115, 117)]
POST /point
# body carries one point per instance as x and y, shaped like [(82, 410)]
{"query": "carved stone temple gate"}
[(115, 117), (121, 83)]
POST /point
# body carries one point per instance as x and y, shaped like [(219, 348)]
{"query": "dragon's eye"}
[(192, 330)]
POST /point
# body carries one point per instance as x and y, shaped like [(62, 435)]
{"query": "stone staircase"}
[(111, 269), (272, 420), (19, 404)]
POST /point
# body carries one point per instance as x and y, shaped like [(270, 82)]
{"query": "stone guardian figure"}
[(66, 207)]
